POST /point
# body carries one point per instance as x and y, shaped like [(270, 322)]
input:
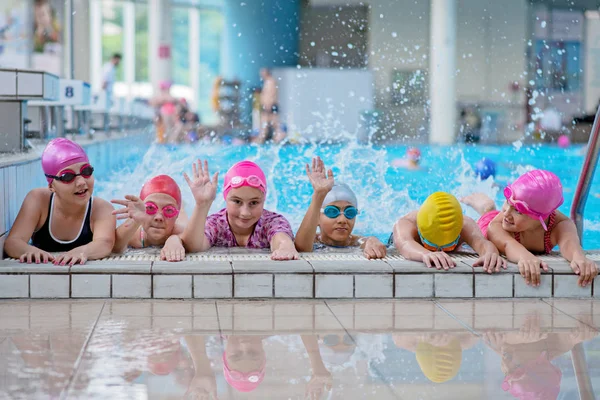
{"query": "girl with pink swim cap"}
[(155, 218), (244, 222), (63, 217), (530, 223)]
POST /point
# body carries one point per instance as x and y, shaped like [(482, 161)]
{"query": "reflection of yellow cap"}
[(439, 364), (440, 219)]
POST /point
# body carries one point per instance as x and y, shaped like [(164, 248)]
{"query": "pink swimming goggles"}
[(523, 208), (252, 181)]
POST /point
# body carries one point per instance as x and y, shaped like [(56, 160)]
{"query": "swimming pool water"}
[(384, 191)]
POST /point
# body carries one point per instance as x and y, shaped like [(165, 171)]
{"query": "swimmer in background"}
[(333, 209), (411, 161), (155, 218)]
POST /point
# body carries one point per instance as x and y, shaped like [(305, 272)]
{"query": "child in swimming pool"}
[(333, 209), (438, 228), (63, 217), (155, 218), (531, 223), (244, 222)]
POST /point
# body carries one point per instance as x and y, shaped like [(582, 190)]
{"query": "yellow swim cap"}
[(439, 364), (440, 220)]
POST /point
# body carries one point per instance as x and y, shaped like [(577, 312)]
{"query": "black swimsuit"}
[(44, 240)]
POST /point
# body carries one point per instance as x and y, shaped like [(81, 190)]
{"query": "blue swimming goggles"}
[(434, 247), (350, 212)]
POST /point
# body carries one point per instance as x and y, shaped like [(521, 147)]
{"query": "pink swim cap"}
[(59, 154), (244, 173), (240, 381), (164, 85), (563, 141), (162, 184), (537, 379), (536, 194)]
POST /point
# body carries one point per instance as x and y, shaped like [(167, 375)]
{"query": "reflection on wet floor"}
[(453, 349)]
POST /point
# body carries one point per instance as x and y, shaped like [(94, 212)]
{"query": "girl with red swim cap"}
[(244, 222), (155, 218), (63, 217), (531, 223)]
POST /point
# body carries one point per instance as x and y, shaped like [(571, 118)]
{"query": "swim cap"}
[(243, 382), (238, 174), (439, 364), (341, 192), (440, 219), (162, 184), (485, 168), (563, 141), (536, 194), (537, 379), (413, 154), (59, 154), (164, 85)]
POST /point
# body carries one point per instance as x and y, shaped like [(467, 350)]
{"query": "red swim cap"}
[(162, 184)]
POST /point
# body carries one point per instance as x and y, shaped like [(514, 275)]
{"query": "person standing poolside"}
[(244, 222), (333, 209), (438, 228), (155, 218), (109, 76), (531, 223), (64, 217), (269, 115)]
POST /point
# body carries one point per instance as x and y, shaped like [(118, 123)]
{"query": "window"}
[(180, 47), (141, 43), (211, 35), (112, 33)]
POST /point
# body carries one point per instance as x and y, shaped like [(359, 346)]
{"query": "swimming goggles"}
[(252, 181), (167, 211), (69, 175), (252, 376), (523, 208), (434, 247), (350, 212)]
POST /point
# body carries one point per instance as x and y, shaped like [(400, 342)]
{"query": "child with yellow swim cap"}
[(438, 228)]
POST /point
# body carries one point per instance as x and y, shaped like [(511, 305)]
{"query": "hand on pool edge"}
[(284, 255)]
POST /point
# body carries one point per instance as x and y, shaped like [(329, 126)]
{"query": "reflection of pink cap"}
[(59, 154), (162, 184), (240, 381), (238, 174), (537, 380)]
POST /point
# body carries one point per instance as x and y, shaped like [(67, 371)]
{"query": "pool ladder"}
[(587, 176)]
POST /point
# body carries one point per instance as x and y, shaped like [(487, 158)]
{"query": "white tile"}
[(566, 286), (524, 290), (294, 286), (449, 284), (131, 286), (253, 285), (49, 286), (374, 286), (3, 205), (213, 286), (496, 285), (10, 176), (14, 286), (90, 285), (172, 286), (414, 285), (334, 286)]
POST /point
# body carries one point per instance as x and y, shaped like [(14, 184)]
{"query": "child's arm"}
[(529, 265), (17, 243), (571, 250), (322, 183), (135, 212), (282, 247), (372, 247), (204, 190), (405, 239), (489, 258)]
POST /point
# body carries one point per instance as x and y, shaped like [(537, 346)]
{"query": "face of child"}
[(160, 227), (336, 230), (244, 207), (245, 353), (514, 221), (78, 191)]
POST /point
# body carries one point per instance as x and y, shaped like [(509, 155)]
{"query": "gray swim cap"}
[(341, 192)]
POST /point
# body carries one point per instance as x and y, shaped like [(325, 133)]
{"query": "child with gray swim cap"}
[(333, 209)]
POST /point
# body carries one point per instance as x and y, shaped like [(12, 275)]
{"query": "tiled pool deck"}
[(224, 274)]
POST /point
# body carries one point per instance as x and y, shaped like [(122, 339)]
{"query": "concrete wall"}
[(491, 52)]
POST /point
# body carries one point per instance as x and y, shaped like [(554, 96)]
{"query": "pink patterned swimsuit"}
[(219, 233)]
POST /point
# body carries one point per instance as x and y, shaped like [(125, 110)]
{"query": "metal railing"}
[(586, 177)]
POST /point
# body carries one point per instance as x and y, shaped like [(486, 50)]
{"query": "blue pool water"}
[(384, 191)]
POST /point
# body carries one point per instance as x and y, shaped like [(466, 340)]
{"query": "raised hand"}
[(204, 189), (134, 208), (320, 179)]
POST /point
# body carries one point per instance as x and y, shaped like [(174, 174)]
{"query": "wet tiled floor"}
[(447, 349)]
